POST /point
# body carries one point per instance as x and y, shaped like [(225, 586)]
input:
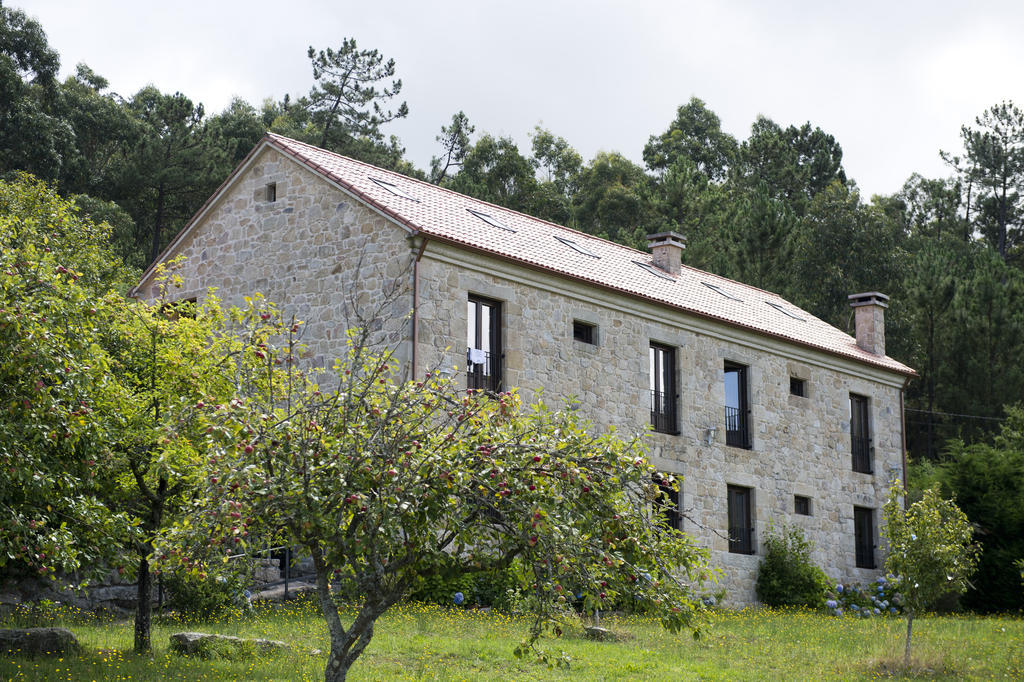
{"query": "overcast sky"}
[(892, 81)]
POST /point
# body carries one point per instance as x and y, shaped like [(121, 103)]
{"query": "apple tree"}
[(385, 482)]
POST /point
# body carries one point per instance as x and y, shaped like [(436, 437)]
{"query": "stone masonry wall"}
[(315, 251), (801, 445)]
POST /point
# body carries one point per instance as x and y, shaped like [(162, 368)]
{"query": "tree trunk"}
[(906, 650), (144, 608), (158, 221)]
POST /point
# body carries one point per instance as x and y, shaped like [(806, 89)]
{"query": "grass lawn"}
[(418, 642)]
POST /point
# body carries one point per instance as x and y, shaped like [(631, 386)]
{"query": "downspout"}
[(416, 301), (903, 443)]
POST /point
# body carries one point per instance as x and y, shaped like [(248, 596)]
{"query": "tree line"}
[(775, 210)]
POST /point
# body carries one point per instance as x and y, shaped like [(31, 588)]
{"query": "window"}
[(663, 388), (741, 527), (737, 407), (798, 387), (393, 188), (483, 341), (490, 220), (785, 312), (654, 270), (864, 536), (271, 191), (174, 310), (720, 290), (801, 505), (859, 435), (576, 246), (667, 503), (584, 332)]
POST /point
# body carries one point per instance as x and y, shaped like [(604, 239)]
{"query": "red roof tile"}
[(443, 214)]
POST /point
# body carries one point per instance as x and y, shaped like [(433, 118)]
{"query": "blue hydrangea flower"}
[(877, 612), (838, 612), (854, 607), (458, 598), (839, 588), (831, 604), (893, 610)]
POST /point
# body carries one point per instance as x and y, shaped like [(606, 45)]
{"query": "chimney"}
[(870, 320), (667, 251)]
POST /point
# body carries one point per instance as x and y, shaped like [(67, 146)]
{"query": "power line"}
[(954, 414)]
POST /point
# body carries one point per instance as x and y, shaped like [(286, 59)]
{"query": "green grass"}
[(418, 642)]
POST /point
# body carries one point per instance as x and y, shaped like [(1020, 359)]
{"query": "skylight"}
[(719, 290), (577, 247), (657, 272), (490, 220), (785, 312), (394, 189)]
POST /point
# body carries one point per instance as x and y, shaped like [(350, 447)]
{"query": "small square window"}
[(802, 505), (584, 332), (271, 191), (798, 387)]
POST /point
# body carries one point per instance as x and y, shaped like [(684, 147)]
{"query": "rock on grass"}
[(208, 646), (38, 642)]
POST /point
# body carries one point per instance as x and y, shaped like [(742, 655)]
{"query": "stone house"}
[(767, 413)]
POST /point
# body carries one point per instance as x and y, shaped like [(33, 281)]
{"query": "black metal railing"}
[(663, 412), (741, 539), (861, 454), (486, 375), (737, 432)]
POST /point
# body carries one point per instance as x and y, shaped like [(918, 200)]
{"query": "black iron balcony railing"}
[(862, 454), (737, 431), (663, 412), (741, 539), (484, 375)]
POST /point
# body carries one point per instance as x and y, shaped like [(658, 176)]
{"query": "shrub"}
[(881, 597), (787, 576), (206, 597)]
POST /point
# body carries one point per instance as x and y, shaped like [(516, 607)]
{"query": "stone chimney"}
[(667, 251), (870, 320)]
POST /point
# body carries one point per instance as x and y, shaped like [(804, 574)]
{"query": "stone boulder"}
[(38, 641), (209, 646)]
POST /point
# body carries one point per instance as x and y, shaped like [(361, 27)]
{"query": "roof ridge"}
[(431, 186)]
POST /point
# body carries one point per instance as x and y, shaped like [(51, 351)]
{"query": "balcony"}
[(741, 539), (663, 412), (862, 454), (737, 431), (485, 375)]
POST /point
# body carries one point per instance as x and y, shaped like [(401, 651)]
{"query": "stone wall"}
[(314, 251), (801, 445)]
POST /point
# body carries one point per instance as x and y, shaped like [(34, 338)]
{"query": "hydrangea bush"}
[(878, 598)]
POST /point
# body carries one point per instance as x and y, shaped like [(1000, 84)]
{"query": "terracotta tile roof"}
[(443, 214)]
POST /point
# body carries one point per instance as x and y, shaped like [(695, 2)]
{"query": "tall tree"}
[(842, 246), (695, 134), (455, 144), (494, 170), (347, 99), (993, 169), (104, 131), (559, 166), (615, 201), (33, 137), (166, 177), (792, 164)]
